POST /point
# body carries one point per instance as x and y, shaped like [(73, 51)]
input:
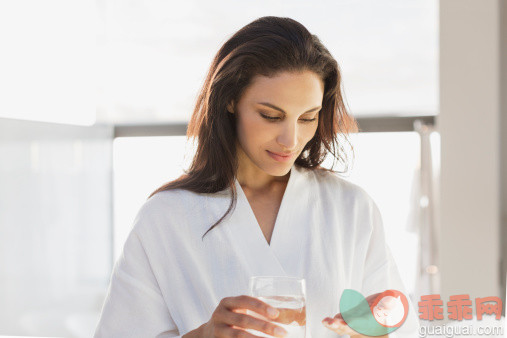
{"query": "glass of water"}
[(288, 296)]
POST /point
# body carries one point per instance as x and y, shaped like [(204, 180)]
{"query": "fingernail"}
[(272, 312), (280, 332)]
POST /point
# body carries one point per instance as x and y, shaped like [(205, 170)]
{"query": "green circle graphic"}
[(356, 312)]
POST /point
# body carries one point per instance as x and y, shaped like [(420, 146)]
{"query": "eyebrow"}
[(281, 110)]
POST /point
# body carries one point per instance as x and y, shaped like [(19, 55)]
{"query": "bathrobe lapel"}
[(279, 258)]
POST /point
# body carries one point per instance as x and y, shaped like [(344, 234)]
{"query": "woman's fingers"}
[(252, 303), (339, 317), (227, 331), (338, 326), (231, 319), (334, 321), (246, 321), (233, 313)]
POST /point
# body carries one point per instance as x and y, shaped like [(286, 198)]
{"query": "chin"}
[(280, 169), (271, 170)]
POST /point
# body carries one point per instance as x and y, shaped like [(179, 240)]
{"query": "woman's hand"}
[(338, 325), (230, 319)]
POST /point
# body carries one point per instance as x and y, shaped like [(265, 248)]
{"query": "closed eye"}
[(270, 117), (278, 118)]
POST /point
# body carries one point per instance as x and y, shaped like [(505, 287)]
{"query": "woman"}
[(255, 201)]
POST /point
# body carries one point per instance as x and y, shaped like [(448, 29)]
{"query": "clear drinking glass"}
[(287, 295)]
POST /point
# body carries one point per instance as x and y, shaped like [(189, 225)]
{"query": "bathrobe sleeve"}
[(134, 306), (381, 272)]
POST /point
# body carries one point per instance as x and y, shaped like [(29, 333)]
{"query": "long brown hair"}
[(266, 46)]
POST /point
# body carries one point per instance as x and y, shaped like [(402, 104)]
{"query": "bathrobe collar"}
[(278, 257)]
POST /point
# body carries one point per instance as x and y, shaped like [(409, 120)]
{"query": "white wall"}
[(503, 143), (469, 120)]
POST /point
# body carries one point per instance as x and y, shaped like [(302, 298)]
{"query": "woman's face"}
[(277, 115)]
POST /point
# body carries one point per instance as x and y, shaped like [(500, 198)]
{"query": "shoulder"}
[(168, 210), (333, 184), (348, 200), (180, 212), (166, 201)]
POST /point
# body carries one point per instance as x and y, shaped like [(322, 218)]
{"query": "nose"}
[(288, 136)]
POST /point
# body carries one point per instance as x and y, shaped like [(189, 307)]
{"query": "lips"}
[(282, 154), (280, 157)]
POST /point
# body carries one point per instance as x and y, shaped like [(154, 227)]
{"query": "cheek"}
[(308, 133), (252, 132)]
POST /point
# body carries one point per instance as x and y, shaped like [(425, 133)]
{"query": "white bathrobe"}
[(168, 281)]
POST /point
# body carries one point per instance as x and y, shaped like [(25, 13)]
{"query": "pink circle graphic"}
[(390, 308)]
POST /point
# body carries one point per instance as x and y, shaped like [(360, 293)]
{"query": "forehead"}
[(287, 88)]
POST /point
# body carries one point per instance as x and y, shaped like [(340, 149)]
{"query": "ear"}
[(230, 107)]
